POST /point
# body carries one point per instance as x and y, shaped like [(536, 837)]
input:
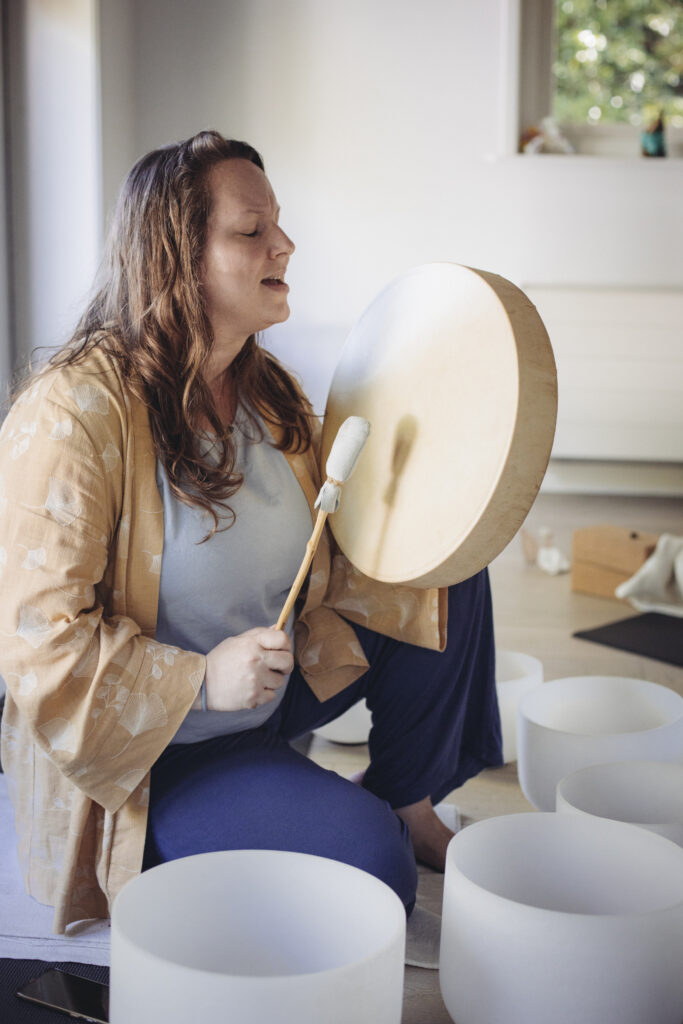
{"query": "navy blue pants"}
[(435, 724)]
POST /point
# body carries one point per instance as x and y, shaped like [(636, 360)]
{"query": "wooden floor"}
[(536, 614)]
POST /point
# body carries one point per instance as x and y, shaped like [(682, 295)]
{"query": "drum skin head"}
[(454, 370)]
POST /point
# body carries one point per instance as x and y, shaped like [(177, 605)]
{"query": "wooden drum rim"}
[(402, 538)]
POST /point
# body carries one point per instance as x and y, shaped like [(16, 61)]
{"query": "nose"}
[(283, 244)]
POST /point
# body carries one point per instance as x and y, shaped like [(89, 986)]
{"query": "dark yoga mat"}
[(653, 635)]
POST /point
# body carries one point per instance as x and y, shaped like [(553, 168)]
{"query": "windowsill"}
[(614, 142), (614, 157), (586, 158)]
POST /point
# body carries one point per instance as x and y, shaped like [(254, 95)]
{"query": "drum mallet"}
[(343, 456)]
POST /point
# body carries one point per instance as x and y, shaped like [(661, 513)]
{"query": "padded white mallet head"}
[(347, 446)]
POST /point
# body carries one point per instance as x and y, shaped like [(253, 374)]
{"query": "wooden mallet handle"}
[(343, 456), (311, 548)]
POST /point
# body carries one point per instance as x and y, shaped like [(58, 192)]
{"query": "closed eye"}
[(250, 234)]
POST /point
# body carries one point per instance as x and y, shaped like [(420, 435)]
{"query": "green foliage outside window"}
[(618, 61)]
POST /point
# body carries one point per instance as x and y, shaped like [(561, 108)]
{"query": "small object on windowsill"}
[(653, 140), (545, 138)]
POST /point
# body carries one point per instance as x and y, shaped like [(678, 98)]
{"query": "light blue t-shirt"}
[(239, 578)]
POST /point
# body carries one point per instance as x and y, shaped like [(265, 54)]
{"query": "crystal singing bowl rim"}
[(530, 667), (662, 849), (569, 793), (516, 674), (545, 696), (127, 903)]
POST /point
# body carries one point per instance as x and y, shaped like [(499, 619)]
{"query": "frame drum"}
[(454, 370)]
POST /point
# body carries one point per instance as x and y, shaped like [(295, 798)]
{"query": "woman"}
[(156, 485)]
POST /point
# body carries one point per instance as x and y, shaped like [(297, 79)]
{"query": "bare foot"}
[(429, 835)]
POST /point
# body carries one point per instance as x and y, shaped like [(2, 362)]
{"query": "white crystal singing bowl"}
[(644, 793), (516, 674), (351, 727), (558, 918), (254, 936), (568, 724)]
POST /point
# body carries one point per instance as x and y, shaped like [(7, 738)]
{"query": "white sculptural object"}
[(568, 724), (255, 936), (564, 919), (644, 793)]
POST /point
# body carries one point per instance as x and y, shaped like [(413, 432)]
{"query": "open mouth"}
[(276, 283)]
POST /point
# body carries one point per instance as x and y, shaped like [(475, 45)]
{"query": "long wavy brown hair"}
[(148, 313)]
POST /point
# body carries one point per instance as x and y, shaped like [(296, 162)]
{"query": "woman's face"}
[(246, 254)]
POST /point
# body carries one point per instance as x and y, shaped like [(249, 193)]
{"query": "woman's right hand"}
[(245, 671)]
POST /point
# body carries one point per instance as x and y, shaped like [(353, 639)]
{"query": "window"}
[(605, 70)]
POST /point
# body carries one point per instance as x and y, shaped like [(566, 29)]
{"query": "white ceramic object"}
[(557, 918), (516, 675), (254, 936), (351, 727), (568, 724), (644, 793)]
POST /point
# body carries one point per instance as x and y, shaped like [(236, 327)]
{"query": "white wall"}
[(372, 118), (56, 203), (381, 124), (118, 99)]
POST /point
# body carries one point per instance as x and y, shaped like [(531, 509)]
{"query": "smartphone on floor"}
[(69, 993)]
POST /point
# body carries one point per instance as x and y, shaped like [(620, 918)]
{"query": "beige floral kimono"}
[(92, 698)]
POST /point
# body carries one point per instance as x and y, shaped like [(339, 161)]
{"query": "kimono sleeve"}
[(101, 700)]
